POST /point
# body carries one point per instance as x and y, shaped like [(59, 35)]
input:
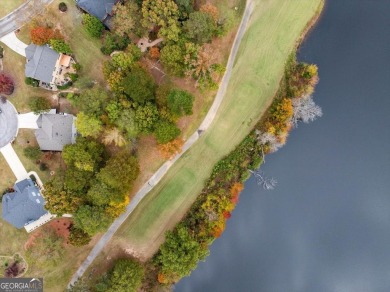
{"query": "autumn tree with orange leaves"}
[(42, 35)]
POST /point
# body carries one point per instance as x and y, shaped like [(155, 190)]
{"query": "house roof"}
[(55, 131), (97, 8), (41, 62), (23, 206)]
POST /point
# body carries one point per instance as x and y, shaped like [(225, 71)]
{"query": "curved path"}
[(148, 186), (21, 15)]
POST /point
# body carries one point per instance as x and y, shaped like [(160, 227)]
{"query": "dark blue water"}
[(326, 227)]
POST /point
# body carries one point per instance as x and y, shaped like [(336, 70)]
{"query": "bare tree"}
[(265, 138), (262, 180), (305, 110)]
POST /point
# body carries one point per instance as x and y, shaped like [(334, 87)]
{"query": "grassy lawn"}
[(7, 6), (271, 36)]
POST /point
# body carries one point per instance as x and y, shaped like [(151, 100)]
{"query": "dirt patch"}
[(30, 241), (61, 227)]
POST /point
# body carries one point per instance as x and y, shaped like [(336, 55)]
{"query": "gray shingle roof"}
[(55, 131), (23, 206), (41, 62), (98, 8)]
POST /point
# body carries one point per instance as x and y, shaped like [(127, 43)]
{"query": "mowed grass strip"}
[(272, 33), (7, 6)]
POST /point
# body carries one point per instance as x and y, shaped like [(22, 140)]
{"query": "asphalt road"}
[(167, 165), (21, 15)]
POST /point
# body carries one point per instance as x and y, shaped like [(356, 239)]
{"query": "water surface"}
[(327, 225)]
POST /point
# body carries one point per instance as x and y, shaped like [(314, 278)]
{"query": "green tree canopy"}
[(200, 27), (77, 237), (84, 154), (180, 253), (180, 102), (120, 171), (146, 117), (60, 46), (166, 132), (91, 101), (60, 200), (139, 85), (91, 219), (126, 122), (88, 125), (126, 276), (164, 14), (93, 25)]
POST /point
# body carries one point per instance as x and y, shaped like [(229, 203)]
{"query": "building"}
[(25, 206), (101, 9), (55, 131), (47, 66)]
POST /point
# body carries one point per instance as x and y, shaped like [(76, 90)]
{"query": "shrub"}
[(43, 167), (41, 35), (78, 237), (73, 76), (6, 85), (31, 81), (62, 7), (93, 25), (60, 46), (32, 152), (166, 132), (39, 104), (65, 86), (77, 67)]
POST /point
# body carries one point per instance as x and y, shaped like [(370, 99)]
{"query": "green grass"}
[(7, 6), (272, 33)]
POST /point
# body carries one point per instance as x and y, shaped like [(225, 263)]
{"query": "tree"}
[(267, 183), (39, 105), (126, 122), (59, 200), (93, 25), (166, 132), (77, 180), (178, 57), (77, 237), (60, 46), (305, 110), (211, 10), (88, 125), (6, 85), (120, 171), (91, 219), (126, 17), (113, 42), (84, 154), (163, 14), (180, 102), (154, 53), (41, 35), (180, 253), (126, 276), (139, 85), (101, 194), (200, 27), (91, 101), (185, 7), (268, 139), (146, 117), (114, 136), (170, 149)]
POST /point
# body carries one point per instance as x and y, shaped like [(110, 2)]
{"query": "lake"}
[(326, 226)]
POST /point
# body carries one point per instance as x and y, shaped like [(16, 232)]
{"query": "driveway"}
[(14, 162), (28, 121), (21, 15), (8, 123), (15, 44)]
